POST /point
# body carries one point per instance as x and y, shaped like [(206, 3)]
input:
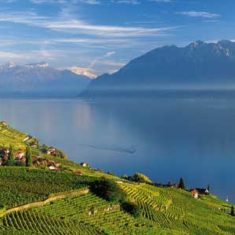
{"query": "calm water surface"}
[(164, 138)]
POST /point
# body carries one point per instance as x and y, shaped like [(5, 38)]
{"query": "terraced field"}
[(77, 215), (176, 210)]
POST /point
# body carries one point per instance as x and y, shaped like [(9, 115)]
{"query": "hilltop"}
[(57, 196), (199, 65)]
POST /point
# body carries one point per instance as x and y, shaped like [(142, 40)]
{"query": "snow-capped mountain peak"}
[(40, 78), (83, 71)]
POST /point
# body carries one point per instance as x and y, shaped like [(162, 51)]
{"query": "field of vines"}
[(176, 210), (21, 185), (163, 211), (83, 215)]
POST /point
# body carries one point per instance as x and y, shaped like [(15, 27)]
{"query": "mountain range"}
[(197, 65), (39, 80)]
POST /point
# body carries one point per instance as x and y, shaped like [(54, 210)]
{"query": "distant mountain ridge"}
[(197, 64), (39, 79)]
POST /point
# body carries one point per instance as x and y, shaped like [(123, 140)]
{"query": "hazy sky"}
[(105, 34)]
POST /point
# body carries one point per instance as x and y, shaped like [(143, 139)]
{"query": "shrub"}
[(11, 154), (181, 184), (232, 211), (108, 190), (29, 161), (131, 208), (10, 163), (61, 154), (125, 177), (141, 178)]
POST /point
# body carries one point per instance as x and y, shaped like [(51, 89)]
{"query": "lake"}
[(165, 138)]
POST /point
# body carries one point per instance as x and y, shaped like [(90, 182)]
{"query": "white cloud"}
[(104, 30), (110, 53), (71, 25), (200, 14), (90, 2), (159, 1), (134, 2), (10, 55)]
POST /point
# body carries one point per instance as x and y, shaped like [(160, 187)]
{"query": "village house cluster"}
[(44, 162), (19, 156), (20, 159), (195, 192)]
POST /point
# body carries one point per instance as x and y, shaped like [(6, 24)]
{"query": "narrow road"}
[(51, 198)]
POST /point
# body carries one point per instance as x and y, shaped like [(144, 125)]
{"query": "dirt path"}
[(51, 198)]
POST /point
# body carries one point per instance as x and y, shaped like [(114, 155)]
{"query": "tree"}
[(28, 157), (181, 184), (131, 208), (108, 190), (11, 160), (11, 154), (232, 211), (141, 178)]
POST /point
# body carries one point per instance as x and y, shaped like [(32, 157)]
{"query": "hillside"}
[(197, 65), (39, 80), (56, 196)]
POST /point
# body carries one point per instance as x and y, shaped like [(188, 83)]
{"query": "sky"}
[(103, 35)]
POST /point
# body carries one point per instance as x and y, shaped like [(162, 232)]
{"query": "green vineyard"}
[(89, 214), (76, 215), (21, 186)]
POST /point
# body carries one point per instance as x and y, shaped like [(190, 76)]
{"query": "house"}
[(51, 151), (51, 163), (19, 155), (195, 193), (3, 123), (203, 191), (52, 168), (84, 164), (27, 138)]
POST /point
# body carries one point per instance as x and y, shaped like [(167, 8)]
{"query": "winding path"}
[(51, 198)]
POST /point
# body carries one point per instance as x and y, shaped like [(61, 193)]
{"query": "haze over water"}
[(165, 138)]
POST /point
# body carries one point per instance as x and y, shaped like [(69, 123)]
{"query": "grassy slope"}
[(163, 210)]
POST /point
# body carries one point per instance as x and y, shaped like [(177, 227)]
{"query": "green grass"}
[(10, 136)]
